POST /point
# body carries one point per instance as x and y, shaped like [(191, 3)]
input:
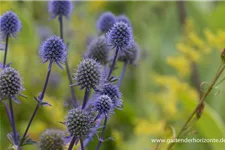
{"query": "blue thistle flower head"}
[(125, 19), (60, 8), (10, 24), (120, 36), (103, 104), (10, 84), (105, 22), (88, 74), (98, 50), (54, 50), (112, 91), (78, 122), (131, 55), (52, 139)]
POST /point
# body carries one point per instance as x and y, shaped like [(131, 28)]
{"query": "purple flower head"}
[(113, 92), (51, 139), (88, 74), (103, 104), (98, 50), (131, 55), (60, 8), (78, 122), (10, 84), (120, 36), (105, 22), (9, 24), (124, 19), (53, 49)]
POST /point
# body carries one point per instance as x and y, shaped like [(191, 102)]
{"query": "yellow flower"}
[(146, 127), (181, 64), (188, 51)]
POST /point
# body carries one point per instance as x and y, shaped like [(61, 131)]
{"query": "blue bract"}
[(120, 36), (60, 8), (105, 22), (54, 50), (9, 24)]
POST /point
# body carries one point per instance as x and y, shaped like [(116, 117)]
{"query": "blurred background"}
[(180, 45)]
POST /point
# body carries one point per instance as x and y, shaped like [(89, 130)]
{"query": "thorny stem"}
[(6, 50), (122, 74), (81, 144), (72, 143), (40, 98), (67, 66), (102, 136), (114, 62), (221, 69), (86, 95), (13, 122)]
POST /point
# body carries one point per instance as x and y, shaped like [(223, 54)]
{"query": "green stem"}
[(199, 105)]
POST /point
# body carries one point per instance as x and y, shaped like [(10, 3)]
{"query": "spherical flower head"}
[(10, 83), (10, 24), (131, 55), (88, 74), (98, 50), (78, 122), (106, 22), (120, 36), (60, 8), (112, 91), (124, 18), (51, 139), (103, 104), (53, 49)]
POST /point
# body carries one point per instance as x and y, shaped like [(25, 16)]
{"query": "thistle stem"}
[(113, 64), (8, 112), (102, 136), (6, 50), (81, 144), (13, 121), (72, 143), (199, 104), (67, 66), (122, 74), (40, 98), (86, 95)]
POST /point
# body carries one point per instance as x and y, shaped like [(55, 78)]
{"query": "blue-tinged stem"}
[(67, 66), (72, 143), (114, 63), (13, 122), (81, 144), (86, 95), (122, 74), (8, 112), (102, 136), (40, 98), (6, 50)]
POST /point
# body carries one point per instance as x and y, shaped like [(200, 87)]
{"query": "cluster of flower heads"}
[(10, 24), (10, 84), (60, 8)]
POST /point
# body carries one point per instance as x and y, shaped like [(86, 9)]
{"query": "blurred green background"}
[(180, 48)]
